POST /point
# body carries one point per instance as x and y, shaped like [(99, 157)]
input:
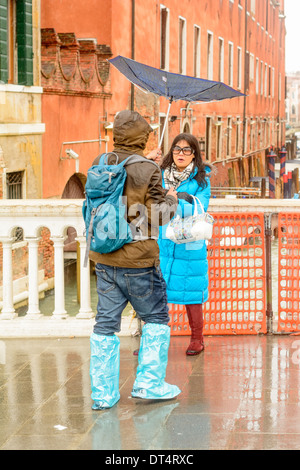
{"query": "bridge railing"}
[(240, 267)]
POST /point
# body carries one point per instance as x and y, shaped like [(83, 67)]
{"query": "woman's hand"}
[(186, 196), (155, 155)]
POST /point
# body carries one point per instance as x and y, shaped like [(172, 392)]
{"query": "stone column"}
[(85, 310), (33, 311), (59, 278), (8, 311)]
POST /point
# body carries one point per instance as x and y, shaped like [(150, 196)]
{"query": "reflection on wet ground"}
[(243, 392)]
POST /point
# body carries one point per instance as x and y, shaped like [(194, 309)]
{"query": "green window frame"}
[(23, 38), (3, 41)]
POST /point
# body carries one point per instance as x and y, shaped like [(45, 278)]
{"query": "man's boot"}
[(153, 359), (195, 316), (104, 370)]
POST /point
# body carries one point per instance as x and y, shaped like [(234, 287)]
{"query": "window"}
[(270, 81), (230, 64), (257, 134), (279, 87), (219, 138), (251, 67), (197, 49), (182, 45), (164, 38), (245, 136), (14, 183), (228, 135), (208, 138), (16, 45), (247, 71), (221, 60), (260, 134), (267, 16), (210, 62), (257, 77), (266, 80), (252, 134), (238, 136), (239, 68)]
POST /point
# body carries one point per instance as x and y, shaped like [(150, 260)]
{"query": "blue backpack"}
[(104, 210)]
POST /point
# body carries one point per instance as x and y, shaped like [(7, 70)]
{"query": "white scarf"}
[(173, 177)]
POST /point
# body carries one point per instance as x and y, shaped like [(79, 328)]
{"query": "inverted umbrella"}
[(173, 86)]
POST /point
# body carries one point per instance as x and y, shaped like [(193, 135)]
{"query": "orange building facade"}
[(238, 42)]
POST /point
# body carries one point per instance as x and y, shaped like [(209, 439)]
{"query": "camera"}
[(72, 154)]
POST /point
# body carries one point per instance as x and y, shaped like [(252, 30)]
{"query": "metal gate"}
[(288, 272), (237, 279)]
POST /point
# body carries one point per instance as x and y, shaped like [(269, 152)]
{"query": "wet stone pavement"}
[(242, 393)]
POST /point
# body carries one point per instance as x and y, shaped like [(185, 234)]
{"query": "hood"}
[(130, 132)]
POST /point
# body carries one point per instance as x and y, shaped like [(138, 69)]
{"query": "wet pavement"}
[(242, 393)]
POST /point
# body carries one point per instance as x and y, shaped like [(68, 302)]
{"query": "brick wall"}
[(20, 258)]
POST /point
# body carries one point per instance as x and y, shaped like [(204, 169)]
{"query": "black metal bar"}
[(268, 253)]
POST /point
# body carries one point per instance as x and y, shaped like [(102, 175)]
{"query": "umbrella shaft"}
[(165, 124)]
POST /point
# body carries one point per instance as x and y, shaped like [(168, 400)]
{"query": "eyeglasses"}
[(188, 151)]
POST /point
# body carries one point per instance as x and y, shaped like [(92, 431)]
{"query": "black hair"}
[(167, 161)]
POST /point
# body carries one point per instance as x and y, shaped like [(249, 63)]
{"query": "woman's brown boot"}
[(195, 316)]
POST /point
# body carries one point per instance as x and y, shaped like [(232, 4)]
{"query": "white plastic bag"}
[(198, 226)]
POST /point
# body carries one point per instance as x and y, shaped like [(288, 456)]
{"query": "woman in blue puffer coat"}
[(184, 266)]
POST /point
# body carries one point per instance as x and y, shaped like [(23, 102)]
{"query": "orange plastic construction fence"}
[(288, 272), (237, 280)]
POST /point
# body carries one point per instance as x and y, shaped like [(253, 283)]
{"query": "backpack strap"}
[(134, 158), (89, 238), (103, 159), (138, 158), (128, 161)]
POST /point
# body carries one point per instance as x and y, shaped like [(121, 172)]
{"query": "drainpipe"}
[(245, 70), (132, 49)]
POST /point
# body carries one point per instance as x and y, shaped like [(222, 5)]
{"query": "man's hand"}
[(172, 192), (155, 155)]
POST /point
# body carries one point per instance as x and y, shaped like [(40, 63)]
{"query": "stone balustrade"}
[(58, 216)]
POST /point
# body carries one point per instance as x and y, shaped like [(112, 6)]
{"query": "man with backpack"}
[(128, 271)]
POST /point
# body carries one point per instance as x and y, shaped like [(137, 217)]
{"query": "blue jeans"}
[(144, 288)]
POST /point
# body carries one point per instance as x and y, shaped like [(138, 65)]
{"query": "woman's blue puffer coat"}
[(184, 266)]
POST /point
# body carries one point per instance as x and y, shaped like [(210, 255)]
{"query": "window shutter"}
[(24, 42), (3, 41)]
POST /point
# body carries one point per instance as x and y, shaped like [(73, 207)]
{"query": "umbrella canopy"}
[(173, 86)]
